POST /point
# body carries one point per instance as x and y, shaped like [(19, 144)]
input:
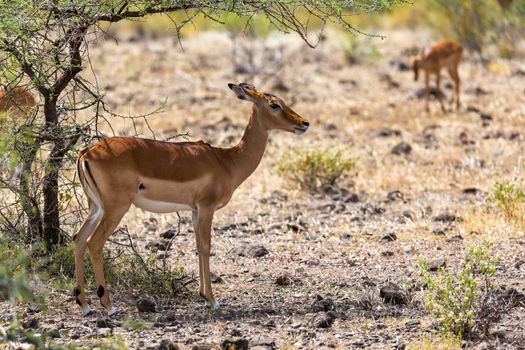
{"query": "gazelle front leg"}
[(427, 91), (203, 236), (195, 219)]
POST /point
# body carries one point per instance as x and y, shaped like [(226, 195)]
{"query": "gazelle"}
[(165, 177), (17, 101), (442, 54)]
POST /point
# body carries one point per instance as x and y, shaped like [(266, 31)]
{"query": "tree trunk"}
[(29, 202)]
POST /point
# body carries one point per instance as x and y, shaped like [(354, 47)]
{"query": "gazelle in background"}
[(442, 54), (164, 177), (17, 101)]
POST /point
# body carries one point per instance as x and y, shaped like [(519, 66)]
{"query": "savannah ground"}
[(328, 254)]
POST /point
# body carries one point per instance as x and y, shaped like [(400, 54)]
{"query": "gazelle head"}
[(273, 111), (415, 62)]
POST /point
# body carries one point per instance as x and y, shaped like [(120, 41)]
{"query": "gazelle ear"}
[(239, 91)]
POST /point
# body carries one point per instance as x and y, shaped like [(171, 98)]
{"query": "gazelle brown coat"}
[(442, 54), (164, 177)]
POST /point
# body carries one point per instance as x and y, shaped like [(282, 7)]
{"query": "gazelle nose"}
[(305, 123)]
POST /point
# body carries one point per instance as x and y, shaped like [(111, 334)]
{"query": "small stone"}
[(395, 195), (216, 278), (34, 309), (387, 132), (387, 253), (168, 316), (262, 340), (323, 320), (169, 234), (237, 344), (471, 190), (31, 323), (322, 304), (167, 344), (252, 251), (392, 294), (145, 305), (436, 264), (284, 279), (401, 148), (104, 332), (389, 237), (446, 218), (351, 198), (104, 323)]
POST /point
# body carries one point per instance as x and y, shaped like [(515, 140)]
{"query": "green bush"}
[(357, 51), (510, 198), (456, 299), (314, 168)]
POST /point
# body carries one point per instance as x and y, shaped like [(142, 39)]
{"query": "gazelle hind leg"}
[(96, 242), (80, 239)]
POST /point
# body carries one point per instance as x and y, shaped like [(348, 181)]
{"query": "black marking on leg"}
[(76, 291), (75, 237), (203, 296), (142, 187), (78, 301), (90, 312), (100, 291)]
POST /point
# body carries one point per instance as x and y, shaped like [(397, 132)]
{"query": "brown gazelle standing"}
[(17, 101), (442, 54), (165, 177)]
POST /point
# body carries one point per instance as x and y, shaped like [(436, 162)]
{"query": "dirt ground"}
[(327, 258)]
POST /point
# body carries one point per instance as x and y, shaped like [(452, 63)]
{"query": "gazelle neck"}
[(247, 154)]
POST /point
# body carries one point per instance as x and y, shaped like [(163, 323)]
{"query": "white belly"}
[(158, 206)]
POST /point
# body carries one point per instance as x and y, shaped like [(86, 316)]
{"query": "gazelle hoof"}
[(86, 311), (112, 311)]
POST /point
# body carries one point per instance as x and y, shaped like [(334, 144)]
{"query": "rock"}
[(446, 218), (351, 198), (486, 119), (471, 190), (387, 253), (455, 238), (262, 341), (322, 304), (168, 316), (104, 323), (436, 264), (387, 132), (34, 309), (465, 140), (145, 305), (398, 343), (166, 344), (389, 237), (215, 278), (393, 294), (104, 332), (432, 91), (252, 251), (169, 234), (401, 148), (395, 195), (31, 323), (439, 230), (237, 344), (323, 320), (284, 279)]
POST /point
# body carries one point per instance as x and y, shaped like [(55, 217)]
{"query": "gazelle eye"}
[(275, 105)]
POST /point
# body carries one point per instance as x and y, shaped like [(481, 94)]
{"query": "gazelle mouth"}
[(300, 131)]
